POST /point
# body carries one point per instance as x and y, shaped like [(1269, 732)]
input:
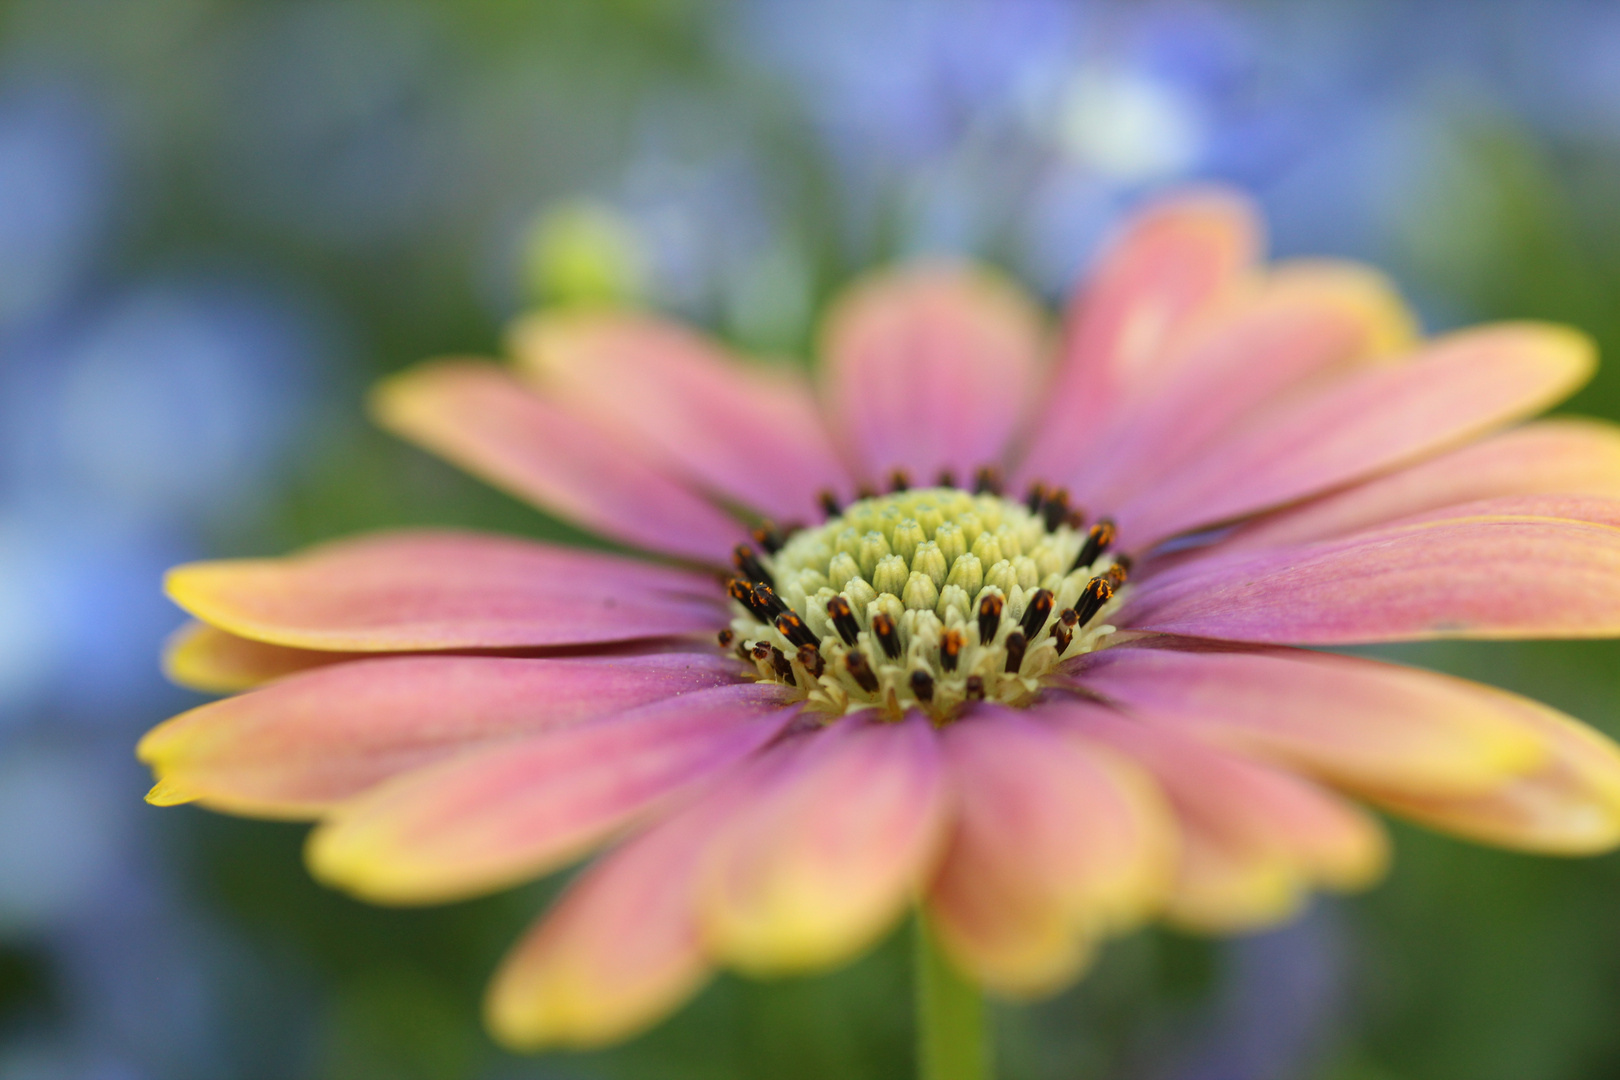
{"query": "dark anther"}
[(770, 605), (784, 669), (989, 618), (843, 620), (1035, 497), (1123, 561), (899, 480), (1036, 614), (861, 671), (810, 659), (866, 491), (922, 684), (987, 481), (743, 593), (1015, 644), (749, 566), (947, 478), (1063, 636), (1069, 617), (1097, 541), (1076, 519), (1097, 593), (950, 649), (883, 627), (1115, 576), (975, 688), (769, 537), (793, 628), (761, 650), (1056, 508), (829, 504), (726, 638)]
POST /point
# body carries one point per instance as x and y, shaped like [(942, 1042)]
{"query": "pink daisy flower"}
[(935, 681)]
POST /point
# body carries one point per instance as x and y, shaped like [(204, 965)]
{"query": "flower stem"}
[(953, 1038)]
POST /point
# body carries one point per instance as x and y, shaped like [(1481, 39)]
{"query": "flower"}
[(1043, 727)]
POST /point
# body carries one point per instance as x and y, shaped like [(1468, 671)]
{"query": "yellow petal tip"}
[(167, 793)]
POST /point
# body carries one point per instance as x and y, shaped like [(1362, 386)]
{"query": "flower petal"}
[(418, 590), (748, 432), (1305, 320), (308, 742), (620, 950), (1172, 265), (483, 419), (1502, 576), (1056, 843), (1355, 723), (930, 369), (502, 814), (206, 658), (1569, 807), (1560, 456), (842, 827), (1364, 423), (1254, 840)]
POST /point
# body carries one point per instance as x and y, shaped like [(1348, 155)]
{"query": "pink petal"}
[(841, 827), (1172, 265), (620, 950), (1561, 456), (501, 814), (308, 742), (1571, 806), (204, 658), (418, 590), (1355, 723), (930, 369), (1501, 576), (1253, 839), (1366, 422), (748, 432), (483, 419), (1056, 843), (1305, 320)]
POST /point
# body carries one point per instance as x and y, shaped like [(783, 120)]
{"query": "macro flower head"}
[(1019, 626)]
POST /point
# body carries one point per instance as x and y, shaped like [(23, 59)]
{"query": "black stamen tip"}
[(1063, 636), (1069, 617), (1036, 614), (761, 650), (769, 537), (1055, 510), (989, 618), (770, 605), (922, 685), (783, 667), (975, 688), (743, 593), (1115, 576), (1076, 519), (883, 627), (987, 481), (1097, 593), (899, 480), (946, 479), (792, 627), (810, 659), (1015, 645), (1097, 541), (866, 491), (749, 566), (1035, 497), (726, 638), (950, 649), (843, 620), (829, 504), (861, 671)]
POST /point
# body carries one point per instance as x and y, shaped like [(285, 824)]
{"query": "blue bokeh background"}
[(220, 219)]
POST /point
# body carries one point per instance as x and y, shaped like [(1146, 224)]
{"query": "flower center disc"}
[(928, 599)]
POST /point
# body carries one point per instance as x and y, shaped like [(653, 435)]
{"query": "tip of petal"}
[(167, 793)]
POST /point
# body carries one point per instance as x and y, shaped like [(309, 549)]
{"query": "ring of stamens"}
[(925, 598)]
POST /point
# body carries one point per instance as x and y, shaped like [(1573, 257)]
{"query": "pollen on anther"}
[(883, 627), (843, 619), (726, 638), (950, 649), (1096, 593), (989, 618), (1015, 646), (1097, 542), (811, 660), (749, 566)]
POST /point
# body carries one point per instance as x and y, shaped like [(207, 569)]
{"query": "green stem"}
[(953, 1037)]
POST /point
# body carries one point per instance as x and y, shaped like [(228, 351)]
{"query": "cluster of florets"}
[(927, 598)]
